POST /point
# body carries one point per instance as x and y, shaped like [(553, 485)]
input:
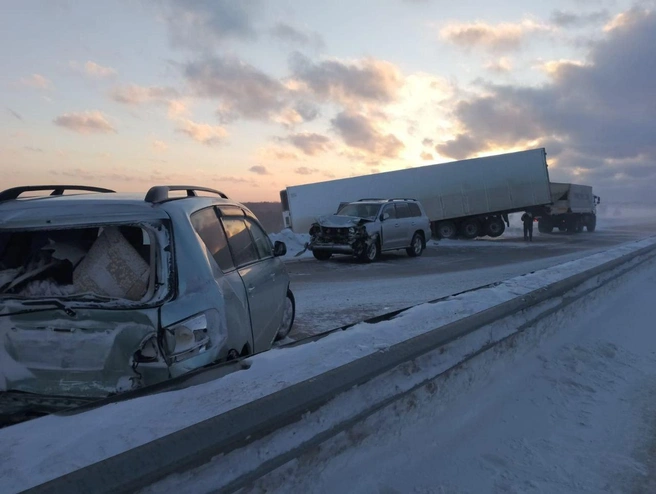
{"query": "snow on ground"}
[(576, 415), (39, 450), (358, 300)]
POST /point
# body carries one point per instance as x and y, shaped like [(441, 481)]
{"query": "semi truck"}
[(573, 208), (469, 198)]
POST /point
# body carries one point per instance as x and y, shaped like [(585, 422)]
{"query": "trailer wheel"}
[(446, 229), (470, 229), (591, 224), (321, 255), (494, 227)]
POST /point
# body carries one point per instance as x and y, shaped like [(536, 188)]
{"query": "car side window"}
[(414, 209), (402, 210), (389, 209), (207, 225), (261, 240), (240, 241)]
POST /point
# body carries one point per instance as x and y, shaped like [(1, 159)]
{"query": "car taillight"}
[(188, 338)]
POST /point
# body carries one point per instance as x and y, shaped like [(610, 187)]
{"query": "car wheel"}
[(416, 246), (371, 253), (321, 255), (288, 315)]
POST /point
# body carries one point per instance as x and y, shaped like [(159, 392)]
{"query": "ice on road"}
[(577, 414)]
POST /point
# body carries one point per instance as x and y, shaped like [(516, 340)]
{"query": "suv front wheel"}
[(416, 246), (371, 253)]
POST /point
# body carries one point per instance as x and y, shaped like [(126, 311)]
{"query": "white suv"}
[(367, 227)]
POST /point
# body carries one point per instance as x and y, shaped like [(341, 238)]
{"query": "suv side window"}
[(261, 239), (414, 209), (402, 210), (389, 209), (209, 229), (240, 241)]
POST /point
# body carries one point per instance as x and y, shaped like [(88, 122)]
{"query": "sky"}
[(252, 96)]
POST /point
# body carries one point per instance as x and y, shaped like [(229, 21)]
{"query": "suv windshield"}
[(116, 262), (358, 210)]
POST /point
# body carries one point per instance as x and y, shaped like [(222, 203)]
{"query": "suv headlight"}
[(187, 338)]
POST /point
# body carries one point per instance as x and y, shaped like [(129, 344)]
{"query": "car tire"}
[(288, 316), (321, 255), (371, 253), (416, 246)]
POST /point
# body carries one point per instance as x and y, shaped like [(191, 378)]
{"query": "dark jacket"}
[(527, 218)]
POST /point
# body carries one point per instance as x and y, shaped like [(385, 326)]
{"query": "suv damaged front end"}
[(80, 309), (340, 235)]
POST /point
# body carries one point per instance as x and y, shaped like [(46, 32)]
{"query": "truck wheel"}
[(579, 225), (591, 224), (416, 246), (494, 227), (446, 229), (371, 253), (470, 229), (321, 255)]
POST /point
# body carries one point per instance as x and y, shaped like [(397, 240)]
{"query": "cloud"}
[(601, 112), (160, 146), (201, 24), (204, 133), (135, 95), (242, 90), (301, 112), (496, 38), (360, 132), (85, 122), (92, 69), (177, 108), (37, 81), (33, 149), (259, 170), (304, 170), (426, 156), (15, 114), (309, 143), (294, 36), (500, 66), (571, 19), (427, 142), (352, 84)]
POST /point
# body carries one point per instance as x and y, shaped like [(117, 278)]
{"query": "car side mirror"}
[(279, 248)]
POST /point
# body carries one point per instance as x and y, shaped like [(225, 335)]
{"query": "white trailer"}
[(468, 197), (573, 207)]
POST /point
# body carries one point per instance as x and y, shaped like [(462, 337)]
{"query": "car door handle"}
[(251, 288), (272, 276)]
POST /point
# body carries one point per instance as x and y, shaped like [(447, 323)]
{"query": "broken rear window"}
[(106, 263)]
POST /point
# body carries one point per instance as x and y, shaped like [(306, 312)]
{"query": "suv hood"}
[(337, 221)]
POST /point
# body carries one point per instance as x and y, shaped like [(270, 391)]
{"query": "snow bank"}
[(45, 448), (295, 243)]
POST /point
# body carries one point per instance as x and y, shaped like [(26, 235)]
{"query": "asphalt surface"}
[(343, 291)]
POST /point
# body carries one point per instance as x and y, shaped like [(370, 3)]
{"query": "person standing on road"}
[(527, 219)]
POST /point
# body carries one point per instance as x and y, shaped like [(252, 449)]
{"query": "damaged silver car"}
[(103, 292), (368, 227)]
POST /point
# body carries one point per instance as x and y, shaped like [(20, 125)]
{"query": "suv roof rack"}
[(160, 193), (57, 190), (402, 199), (371, 199)]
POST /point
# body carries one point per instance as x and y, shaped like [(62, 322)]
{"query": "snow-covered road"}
[(576, 414), (338, 292)]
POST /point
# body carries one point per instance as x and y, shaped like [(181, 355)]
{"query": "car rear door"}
[(261, 277)]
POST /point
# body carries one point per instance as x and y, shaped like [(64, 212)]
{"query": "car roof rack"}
[(371, 199), (57, 190), (160, 193), (402, 199)]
